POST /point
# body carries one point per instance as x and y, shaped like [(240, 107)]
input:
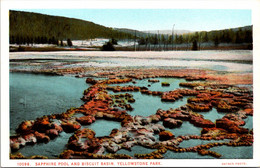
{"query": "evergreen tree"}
[(196, 36), (176, 39), (142, 41), (238, 37), (69, 42), (12, 40), (227, 38), (205, 37), (180, 39), (248, 36), (170, 39), (113, 41), (163, 39), (154, 39), (216, 41), (194, 45)]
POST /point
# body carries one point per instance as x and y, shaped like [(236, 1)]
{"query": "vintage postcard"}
[(147, 84)]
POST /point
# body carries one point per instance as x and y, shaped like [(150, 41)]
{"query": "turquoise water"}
[(146, 105), (249, 122), (212, 115), (227, 152), (135, 150), (103, 127), (185, 155), (230, 152), (186, 129), (52, 149), (33, 96), (195, 142), (174, 84)]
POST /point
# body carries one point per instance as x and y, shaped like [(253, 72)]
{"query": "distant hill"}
[(26, 26), (180, 32), (244, 28), (152, 32), (169, 32), (133, 32), (146, 33)]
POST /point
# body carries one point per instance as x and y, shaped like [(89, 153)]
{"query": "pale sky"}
[(158, 19)]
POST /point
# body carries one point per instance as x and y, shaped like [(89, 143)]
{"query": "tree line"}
[(38, 40), (240, 35)]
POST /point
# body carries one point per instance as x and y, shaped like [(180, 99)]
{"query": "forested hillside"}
[(234, 35), (26, 27)]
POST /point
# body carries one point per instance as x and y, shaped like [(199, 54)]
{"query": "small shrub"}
[(20, 48), (108, 47)]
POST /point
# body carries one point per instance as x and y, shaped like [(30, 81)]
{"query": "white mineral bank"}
[(206, 59)]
